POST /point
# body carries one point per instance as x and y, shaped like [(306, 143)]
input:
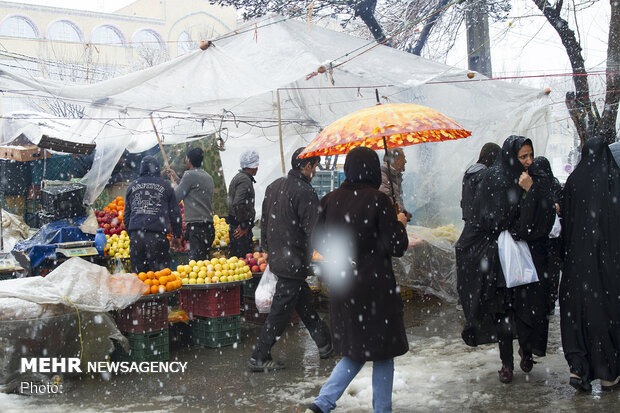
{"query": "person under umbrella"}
[(358, 233)]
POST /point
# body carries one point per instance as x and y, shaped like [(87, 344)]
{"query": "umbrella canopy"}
[(401, 124)]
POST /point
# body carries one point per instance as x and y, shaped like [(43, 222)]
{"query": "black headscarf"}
[(509, 160), (149, 166), (362, 165), (489, 153)]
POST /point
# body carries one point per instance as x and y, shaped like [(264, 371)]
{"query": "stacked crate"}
[(214, 313), (145, 324)]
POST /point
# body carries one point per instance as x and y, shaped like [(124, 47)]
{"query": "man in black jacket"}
[(241, 205), (151, 209), (290, 212)]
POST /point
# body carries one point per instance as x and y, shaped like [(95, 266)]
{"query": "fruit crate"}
[(146, 315), (250, 286), (151, 346), (216, 332), (211, 302), (251, 314)]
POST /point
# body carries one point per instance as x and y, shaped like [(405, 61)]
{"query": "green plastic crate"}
[(249, 287), (152, 346), (216, 332)]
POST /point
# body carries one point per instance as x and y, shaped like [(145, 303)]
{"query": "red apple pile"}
[(110, 222), (255, 261), (184, 243)]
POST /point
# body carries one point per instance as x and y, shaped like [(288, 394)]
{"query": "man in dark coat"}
[(241, 212), (486, 301), (358, 234), (290, 212), (151, 209), (590, 285), (471, 179)]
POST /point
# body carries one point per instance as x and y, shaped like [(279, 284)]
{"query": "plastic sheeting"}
[(232, 89), (61, 315), (429, 265), (42, 244), (80, 284), (64, 335), (14, 230)]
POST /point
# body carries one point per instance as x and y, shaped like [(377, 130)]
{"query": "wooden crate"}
[(21, 153)]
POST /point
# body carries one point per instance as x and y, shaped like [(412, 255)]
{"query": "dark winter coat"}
[(241, 200), (480, 280), (358, 234), (150, 204), (590, 285), (536, 218), (289, 215), (471, 179)]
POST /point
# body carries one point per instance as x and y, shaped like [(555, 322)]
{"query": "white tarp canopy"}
[(232, 89)]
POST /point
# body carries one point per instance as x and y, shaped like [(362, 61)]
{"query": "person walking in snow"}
[(358, 233), (289, 214)]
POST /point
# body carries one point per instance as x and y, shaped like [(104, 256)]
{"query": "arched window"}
[(185, 44), (108, 35), (148, 39), (19, 26), (64, 31)]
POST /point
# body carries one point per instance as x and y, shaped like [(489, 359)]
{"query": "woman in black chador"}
[(487, 303), (589, 289), (531, 301)]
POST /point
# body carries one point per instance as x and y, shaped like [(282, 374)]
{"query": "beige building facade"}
[(84, 47)]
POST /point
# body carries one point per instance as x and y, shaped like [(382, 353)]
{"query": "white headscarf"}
[(249, 159)]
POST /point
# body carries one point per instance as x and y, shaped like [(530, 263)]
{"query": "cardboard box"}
[(21, 153)]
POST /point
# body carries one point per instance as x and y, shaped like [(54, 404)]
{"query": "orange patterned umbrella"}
[(382, 127)]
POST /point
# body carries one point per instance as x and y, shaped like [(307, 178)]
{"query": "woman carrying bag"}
[(487, 303)]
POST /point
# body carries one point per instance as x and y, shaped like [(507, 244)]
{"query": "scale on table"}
[(76, 248)]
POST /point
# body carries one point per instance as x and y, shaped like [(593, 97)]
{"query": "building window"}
[(185, 44), (19, 26), (64, 31), (147, 38), (108, 35)]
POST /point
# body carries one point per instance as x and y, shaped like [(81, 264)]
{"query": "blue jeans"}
[(343, 374)]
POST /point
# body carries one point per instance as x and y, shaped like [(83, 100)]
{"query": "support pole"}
[(161, 146), (280, 132)]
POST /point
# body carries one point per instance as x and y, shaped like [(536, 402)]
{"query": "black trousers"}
[(291, 294), (148, 251), (240, 247), (200, 236)]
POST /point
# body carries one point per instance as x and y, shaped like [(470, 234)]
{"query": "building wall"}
[(102, 45)]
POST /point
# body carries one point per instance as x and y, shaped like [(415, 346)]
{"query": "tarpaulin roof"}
[(232, 89)]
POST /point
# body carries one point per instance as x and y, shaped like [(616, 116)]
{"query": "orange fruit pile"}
[(160, 281), (118, 205)]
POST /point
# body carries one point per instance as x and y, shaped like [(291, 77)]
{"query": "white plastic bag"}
[(556, 229), (516, 260), (265, 291)]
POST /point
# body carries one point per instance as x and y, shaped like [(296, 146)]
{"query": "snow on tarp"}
[(231, 88)]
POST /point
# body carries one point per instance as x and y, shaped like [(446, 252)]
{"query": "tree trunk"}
[(366, 11), (578, 103), (612, 97), (426, 30)]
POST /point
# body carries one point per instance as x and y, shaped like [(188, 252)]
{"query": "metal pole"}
[(280, 132)]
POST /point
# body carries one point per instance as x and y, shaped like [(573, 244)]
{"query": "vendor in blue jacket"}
[(151, 210)]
